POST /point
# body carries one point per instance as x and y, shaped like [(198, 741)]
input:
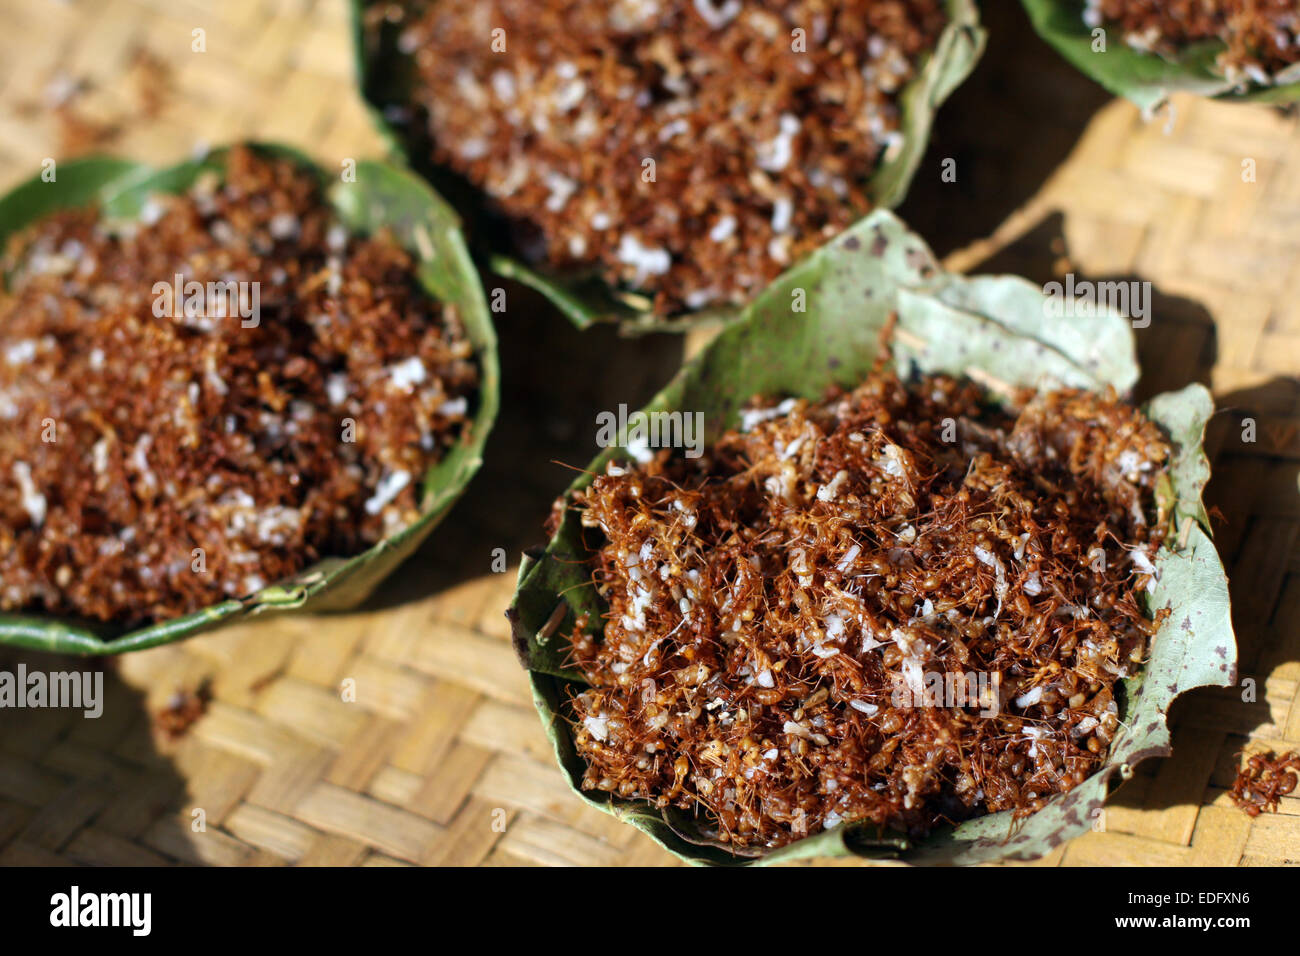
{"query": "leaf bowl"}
[(382, 196), (1148, 79), (385, 78), (992, 329)]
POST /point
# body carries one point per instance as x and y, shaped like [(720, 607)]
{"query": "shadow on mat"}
[(80, 789), (1008, 128), (555, 380)]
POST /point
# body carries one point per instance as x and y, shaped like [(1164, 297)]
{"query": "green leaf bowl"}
[(997, 331), (382, 196), (385, 78), (1148, 79)]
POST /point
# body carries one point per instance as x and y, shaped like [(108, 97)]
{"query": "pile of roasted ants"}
[(1263, 780)]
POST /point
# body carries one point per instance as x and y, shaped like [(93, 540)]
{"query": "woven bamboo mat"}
[(403, 733)]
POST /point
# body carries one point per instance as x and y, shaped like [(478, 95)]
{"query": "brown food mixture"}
[(1263, 780), (760, 153), (184, 709), (1262, 36), (129, 440), (787, 613)]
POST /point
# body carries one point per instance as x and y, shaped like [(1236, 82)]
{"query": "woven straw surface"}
[(404, 733)]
